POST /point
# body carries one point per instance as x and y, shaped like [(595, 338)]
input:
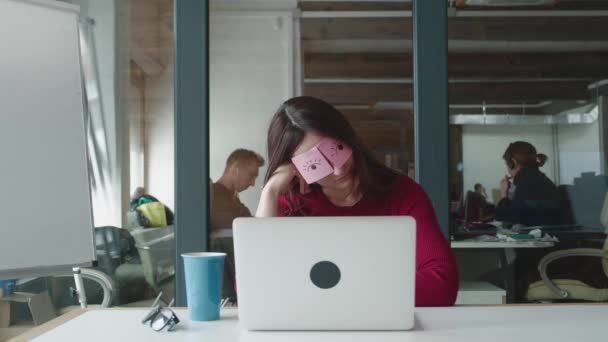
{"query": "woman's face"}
[(341, 178), (513, 171)]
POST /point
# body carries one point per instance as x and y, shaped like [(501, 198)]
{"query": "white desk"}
[(521, 323), (502, 244), (501, 247)]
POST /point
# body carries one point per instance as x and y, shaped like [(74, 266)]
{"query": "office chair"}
[(571, 289), (36, 295), (222, 241), (117, 259), (156, 247)]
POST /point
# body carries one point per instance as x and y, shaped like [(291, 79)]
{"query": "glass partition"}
[(361, 64), (527, 160)]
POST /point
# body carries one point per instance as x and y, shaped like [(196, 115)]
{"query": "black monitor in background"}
[(470, 218), (587, 196)]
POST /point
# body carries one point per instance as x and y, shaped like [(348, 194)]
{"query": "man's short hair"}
[(477, 186), (243, 155)]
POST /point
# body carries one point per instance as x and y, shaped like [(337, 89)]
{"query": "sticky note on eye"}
[(335, 151), (312, 165)]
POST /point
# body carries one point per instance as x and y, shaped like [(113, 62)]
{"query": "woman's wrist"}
[(269, 190), (268, 202)]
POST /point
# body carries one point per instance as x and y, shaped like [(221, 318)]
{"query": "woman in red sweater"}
[(319, 167)]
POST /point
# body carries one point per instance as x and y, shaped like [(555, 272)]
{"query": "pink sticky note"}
[(335, 151), (312, 165)]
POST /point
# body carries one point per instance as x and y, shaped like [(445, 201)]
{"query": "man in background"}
[(481, 190), (481, 198), (240, 173)]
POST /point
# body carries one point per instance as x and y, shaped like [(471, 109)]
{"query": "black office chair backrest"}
[(112, 245)]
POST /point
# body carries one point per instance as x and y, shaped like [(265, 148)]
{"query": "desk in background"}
[(501, 244), (500, 248), (522, 323)]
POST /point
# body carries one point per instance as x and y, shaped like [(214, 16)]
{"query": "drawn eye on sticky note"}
[(312, 165), (335, 151)]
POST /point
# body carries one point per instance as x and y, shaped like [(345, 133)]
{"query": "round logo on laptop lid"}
[(325, 274)]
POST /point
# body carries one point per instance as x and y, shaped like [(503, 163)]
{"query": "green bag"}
[(153, 213)]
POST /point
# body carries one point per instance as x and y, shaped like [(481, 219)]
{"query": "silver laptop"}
[(325, 273)]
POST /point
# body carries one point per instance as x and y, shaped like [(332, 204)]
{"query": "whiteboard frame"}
[(52, 4)]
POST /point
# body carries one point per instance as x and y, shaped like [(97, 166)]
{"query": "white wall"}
[(483, 147), (159, 157), (250, 76), (579, 149), (136, 138)]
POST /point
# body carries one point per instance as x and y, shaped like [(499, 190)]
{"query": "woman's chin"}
[(340, 183), (343, 183)]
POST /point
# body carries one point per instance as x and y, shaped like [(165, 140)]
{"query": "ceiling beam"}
[(476, 28), (367, 5), (345, 93), (375, 113), (591, 65), (458, 46), (372, 114), (354, 5), (485, 13)]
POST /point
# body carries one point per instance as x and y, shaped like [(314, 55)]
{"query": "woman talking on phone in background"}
[(318, 167), (527, 196)]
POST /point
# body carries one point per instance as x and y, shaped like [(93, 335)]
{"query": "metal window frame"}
[(430, 38), (191, 20), (191, 25)]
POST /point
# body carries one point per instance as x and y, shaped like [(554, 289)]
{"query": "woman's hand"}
[(504, 187), (282, 179), (279, 183)]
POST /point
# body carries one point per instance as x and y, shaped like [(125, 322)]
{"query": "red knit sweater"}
[(436, 272)]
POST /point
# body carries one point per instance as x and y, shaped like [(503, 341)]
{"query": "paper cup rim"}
[(203, 254)]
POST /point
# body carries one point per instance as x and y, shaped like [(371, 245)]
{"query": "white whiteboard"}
[(45, 206)]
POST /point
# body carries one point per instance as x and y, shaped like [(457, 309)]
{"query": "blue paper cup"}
[(204, 273)]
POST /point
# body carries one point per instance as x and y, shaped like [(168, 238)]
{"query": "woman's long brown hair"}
[(303, 114)]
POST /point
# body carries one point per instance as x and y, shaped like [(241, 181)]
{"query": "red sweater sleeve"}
[(436, 270)]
